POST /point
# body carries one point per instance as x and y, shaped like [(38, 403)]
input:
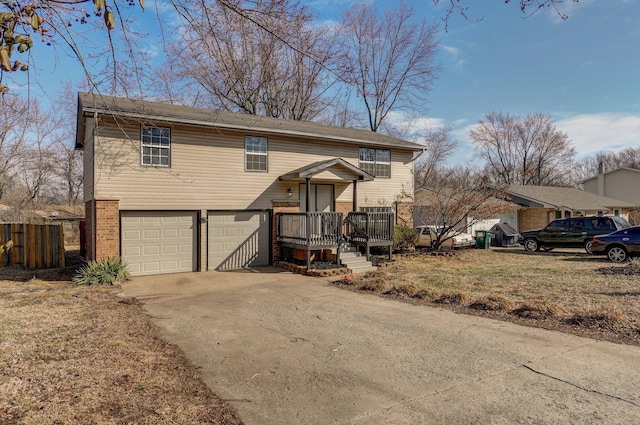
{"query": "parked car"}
[(573, 232), (619, 245), (428, 234)]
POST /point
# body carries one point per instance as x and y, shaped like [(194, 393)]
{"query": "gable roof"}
[(562, 197), (633, 170), (310, 170), (90, 104)]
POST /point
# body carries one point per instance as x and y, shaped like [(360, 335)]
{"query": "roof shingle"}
[(88, 104)]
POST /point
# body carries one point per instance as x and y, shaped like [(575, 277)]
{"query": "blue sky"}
[(584, 72)]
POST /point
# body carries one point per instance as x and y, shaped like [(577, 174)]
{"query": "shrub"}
[(104, 272), (405, 237)]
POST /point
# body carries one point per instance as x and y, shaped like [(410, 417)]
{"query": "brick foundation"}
[(279, 207)]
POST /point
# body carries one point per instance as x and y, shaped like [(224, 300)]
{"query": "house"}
[(176, 189), (621, 183), (69, 216), (542, 204), (489, 211)]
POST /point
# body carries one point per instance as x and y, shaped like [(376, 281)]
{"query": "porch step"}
[(355, 261)]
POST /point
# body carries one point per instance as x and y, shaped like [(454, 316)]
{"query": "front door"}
[(321, 198)]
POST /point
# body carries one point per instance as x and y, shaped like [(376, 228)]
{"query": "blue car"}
[(618, 246)]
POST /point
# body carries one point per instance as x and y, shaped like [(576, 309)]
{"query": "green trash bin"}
[(483, 239)]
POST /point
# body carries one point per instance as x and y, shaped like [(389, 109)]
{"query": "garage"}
[(159, 242), (238, 239)]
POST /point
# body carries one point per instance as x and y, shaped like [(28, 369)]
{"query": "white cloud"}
[(451, 49), (593, 133), (151, 50), (456, 53), (413, 126)]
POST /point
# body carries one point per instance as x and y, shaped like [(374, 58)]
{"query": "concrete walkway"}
[(289, 349)]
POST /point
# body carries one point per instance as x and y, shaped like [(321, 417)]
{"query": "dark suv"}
[(571, 233)]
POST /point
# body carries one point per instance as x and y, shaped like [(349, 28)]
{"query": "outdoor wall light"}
[(289, 193)]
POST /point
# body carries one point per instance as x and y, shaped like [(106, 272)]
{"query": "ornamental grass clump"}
[(539, 309), (492, 303), (104, 272), (605, 317)]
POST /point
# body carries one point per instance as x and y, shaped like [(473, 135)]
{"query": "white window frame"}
[(154, 146), (249, 154), (373, 165)]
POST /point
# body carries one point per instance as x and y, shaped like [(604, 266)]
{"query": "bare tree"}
[(591, 165), (528, 8), (37, 171), (68, 169), (457, 198), (526, 151), (245, 65), (390, 59), (439, 147), (14, 121), (86, 33)]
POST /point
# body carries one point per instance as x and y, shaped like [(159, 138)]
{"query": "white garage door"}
[(159, 242), (238, 239)]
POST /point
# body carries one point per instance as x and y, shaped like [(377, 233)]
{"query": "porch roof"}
[(308, 171)]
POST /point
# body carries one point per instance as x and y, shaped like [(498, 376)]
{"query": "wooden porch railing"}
[(370, 229), (313, 230)]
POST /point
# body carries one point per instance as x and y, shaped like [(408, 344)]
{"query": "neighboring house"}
[(622, 184), (172, 188), (504, 212), (542, 204), (69, 216)]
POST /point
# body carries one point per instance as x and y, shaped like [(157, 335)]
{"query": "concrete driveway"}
[(289, 349)]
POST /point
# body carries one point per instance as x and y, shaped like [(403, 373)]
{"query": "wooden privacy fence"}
[(34, 245)]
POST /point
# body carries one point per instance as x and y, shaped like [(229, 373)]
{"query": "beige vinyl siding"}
[(207, 171), (87, 158), (620, 184)]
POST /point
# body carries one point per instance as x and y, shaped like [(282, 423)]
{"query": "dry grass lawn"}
[(82, 355), (577, 293)]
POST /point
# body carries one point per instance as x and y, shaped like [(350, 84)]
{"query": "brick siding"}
[(107, 229), (534, 218)]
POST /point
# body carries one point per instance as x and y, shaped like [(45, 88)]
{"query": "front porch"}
[(317, 228), (317, 231)]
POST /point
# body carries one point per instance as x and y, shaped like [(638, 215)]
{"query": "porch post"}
[(307, 192), (355, 196)]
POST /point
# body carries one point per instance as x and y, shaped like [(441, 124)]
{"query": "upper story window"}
[(376, 162), (256, 153), (156, 146)]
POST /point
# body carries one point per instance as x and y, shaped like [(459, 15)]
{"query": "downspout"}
[(354, 202)]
